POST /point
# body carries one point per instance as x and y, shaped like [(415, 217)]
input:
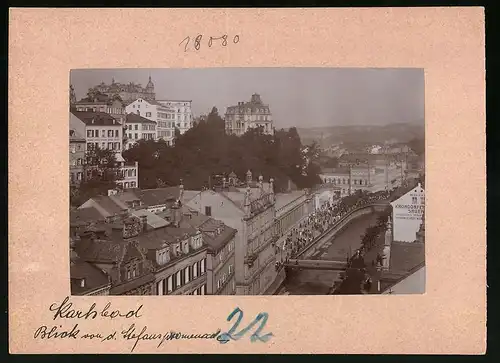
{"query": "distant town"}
[(164, 202)]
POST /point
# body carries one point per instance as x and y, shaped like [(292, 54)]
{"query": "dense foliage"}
[(205, 151), (100, 174)]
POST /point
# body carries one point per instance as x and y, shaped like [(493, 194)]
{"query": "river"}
[(319, 282)]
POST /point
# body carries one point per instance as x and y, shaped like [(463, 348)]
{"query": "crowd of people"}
[(325, 217)]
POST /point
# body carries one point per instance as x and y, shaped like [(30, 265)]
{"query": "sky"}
[(301, 97)]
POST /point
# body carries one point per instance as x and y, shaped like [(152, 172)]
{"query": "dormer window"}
[(82, 282)]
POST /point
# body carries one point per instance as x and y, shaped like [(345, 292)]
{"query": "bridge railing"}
[(336, 224)]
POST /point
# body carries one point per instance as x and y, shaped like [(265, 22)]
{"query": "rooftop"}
[(213, 240), (91, 118), (94, 277), (133, 118), (282, 199), (152, 197), (74, 136), (152, 219), (90, 214)]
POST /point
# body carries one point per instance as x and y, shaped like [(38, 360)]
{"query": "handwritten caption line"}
[(65, 311)]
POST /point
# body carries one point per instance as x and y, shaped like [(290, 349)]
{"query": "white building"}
[(407, 213), (104, 131), (183, 115), (246, 115), (139, 128), (164, 117)]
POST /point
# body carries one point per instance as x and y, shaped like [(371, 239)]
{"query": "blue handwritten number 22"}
[(262, 317)]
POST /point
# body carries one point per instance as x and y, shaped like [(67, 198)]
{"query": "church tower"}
[(150, 89)]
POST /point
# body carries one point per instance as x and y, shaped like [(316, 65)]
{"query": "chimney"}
[(116, 232), (144, 221)]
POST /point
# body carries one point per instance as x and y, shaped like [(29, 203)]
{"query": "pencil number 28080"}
[(196, 44)]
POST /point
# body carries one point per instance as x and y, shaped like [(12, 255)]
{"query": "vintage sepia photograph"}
[(247, 181)]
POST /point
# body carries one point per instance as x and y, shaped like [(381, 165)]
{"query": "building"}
[(104, 131), (220, 240), (76, 157), (403, 270), (165, 117), (98, 102), (138, 128), (250, 211), (126, 92), (365, 172), (245, 115), (407, 214), (183, 115)]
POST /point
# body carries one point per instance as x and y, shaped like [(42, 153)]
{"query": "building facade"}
[(251, 211), (138, 128), (220, 240), (407, 214), (102, 103), (152, 110), (246, 115), (127, 92), (104, 131), (183, 115), (76, 157)]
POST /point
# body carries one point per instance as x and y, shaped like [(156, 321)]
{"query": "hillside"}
[(401, 132)]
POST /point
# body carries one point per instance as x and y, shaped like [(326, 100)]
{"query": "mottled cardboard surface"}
[(44, 44)]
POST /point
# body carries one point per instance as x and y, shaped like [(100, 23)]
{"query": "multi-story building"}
[(251, 211), (102, 103), (291, 209), (245, 115), (104, 131), (152, 110), (127, 92), (139, 128), (368, 172), (183, 115), (220, 241), (76, 157)]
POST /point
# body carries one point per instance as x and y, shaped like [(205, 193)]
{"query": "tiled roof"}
[(94, 277), (155, 239), (110, 205), (99, 251), (218, 241), (90, 214), (96, 118), (153, 220), (151, 197), (134, 118)]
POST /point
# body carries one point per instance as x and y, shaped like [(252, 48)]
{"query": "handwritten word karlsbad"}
[(64, 311), (223, 40)]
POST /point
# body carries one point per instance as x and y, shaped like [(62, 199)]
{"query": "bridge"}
[(312, 247), (316, 265)]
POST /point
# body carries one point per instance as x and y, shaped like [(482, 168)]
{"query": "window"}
[(135, 136), (187, 274), (132, 184), (148, 114), (203, 266), (110, 146), (208, 211), (110, 133), (90, 133), (169, 284), (230, 269), (414, 200), (136, 127), (218, 284), (178, 279), (203, 290), (195, 270), (195, 292), (117, 133)]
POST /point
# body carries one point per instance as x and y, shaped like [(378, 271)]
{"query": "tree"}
[(418, 146), (100, 172), (206, 150)]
